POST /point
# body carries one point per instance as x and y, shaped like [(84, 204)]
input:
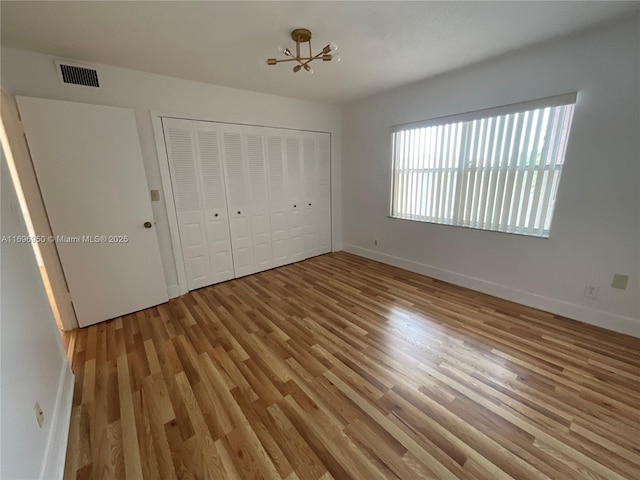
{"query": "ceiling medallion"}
[(301, 36)]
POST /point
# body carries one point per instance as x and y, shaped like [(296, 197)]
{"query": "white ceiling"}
[(382, 44)]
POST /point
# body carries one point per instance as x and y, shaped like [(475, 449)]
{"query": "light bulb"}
[(333, 46), (336, 58), (308, 68), (284, 51)]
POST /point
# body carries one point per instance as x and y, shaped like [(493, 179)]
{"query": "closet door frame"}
[(175, 290)]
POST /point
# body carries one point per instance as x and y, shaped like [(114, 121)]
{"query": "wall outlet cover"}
[(620, 281)]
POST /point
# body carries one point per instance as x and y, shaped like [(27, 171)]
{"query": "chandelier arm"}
[(300, 60), (289, 60), (311, 59)]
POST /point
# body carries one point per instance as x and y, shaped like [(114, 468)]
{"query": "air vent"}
[(79, 75)]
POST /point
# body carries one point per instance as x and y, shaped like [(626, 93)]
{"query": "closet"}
[(247, 198)]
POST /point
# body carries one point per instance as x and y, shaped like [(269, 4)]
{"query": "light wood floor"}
[(340, 367)]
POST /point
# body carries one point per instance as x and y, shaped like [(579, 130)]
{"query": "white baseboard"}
[(53, 467), (610, 321), (173, 291)]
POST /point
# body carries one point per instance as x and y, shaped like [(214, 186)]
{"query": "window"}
[(495, 169)]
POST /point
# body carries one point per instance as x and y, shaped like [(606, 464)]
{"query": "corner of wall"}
[(53, 465), (610, 321)]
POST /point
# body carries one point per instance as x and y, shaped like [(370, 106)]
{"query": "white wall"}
[(34, 365), (595, 231), (35, 75)]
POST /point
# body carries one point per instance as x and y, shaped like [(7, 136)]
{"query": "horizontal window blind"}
[(497, 169)]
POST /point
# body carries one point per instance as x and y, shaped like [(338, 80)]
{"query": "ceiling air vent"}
[(76, 75)]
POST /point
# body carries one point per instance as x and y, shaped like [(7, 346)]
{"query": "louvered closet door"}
[(238, 200), (309, 160), (295, 195), (181, 152), (278, 200), (259, 198), (214, 201), (323, 193)]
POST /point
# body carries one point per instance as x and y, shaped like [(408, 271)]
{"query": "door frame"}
[(18, 148), (167, 186)]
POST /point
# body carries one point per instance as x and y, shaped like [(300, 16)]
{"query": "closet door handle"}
[(215, 215), (309, 204), (239, 212), (295, 206)]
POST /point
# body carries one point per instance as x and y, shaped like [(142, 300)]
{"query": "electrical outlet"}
[(591, 291), (39, 414), (155, 195), (620, 281)]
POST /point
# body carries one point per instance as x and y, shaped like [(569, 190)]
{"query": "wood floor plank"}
[(131, 450), (339, 367), (212, 461), (146, 446), (152, 411)]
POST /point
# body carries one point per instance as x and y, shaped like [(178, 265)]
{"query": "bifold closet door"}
[(198, 190), (258, 198), (278, 199), (238, 202), (214, 201), (248, 198), (181, 152), (323, 192), (310, 161), (295, 196)]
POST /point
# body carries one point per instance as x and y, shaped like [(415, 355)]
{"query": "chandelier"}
[(300, 36)]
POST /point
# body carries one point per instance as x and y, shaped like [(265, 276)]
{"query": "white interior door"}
[(89, 166), (295, 194)]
